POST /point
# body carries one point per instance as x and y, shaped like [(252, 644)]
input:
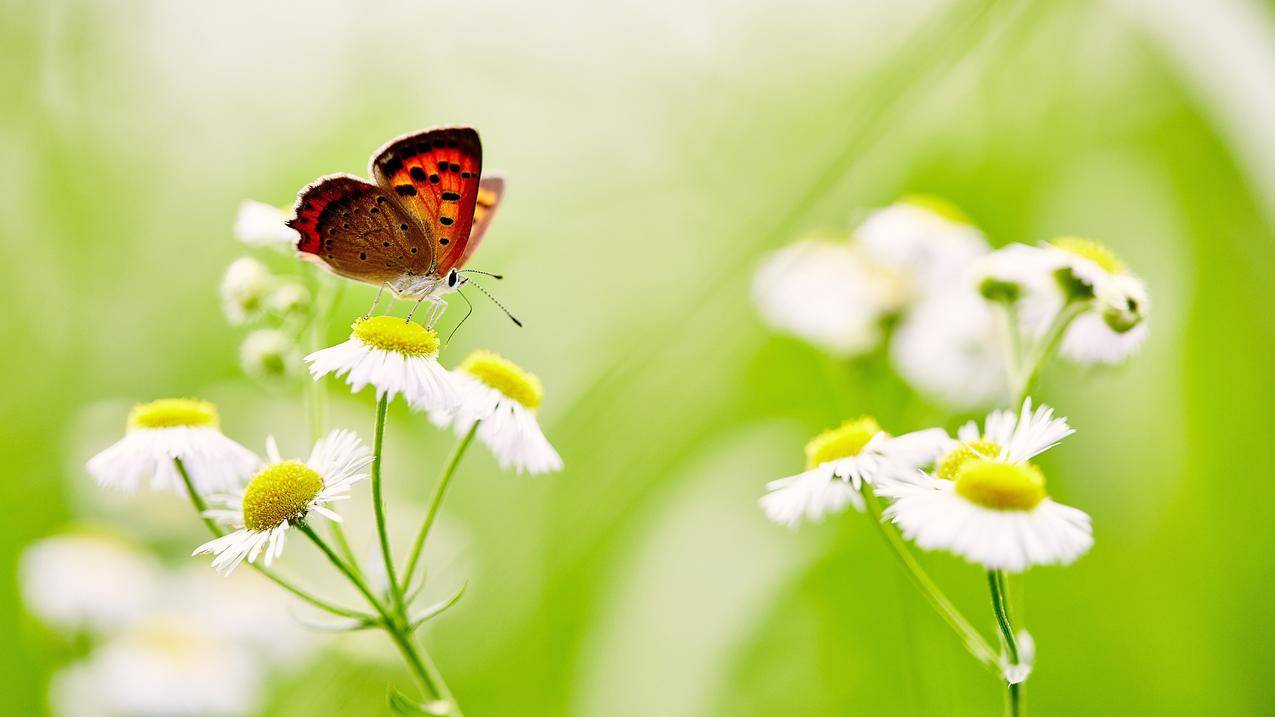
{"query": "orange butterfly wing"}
[(358, 231), (435, 175), (490, 191)]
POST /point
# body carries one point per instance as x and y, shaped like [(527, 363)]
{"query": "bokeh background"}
[(655, 152)]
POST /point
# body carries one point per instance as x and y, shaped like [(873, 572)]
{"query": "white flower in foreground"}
[(163, 667), (173, 428), (826, 293), (505, 398), (987, 502), (951, 347), (927, 240), (284, 492), (839, 461), (244, 288), (259, 224), (87, 581), (395, 356)]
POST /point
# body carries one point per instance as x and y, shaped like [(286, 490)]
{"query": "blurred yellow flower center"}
[(1098, 253), (841, 442), (171, 412), (390, 334), (1000, 485), (937, 205), (505, 376), (954, 461), (280, 493)]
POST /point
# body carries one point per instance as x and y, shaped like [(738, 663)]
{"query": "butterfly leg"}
[(413, 311), (375, 302)]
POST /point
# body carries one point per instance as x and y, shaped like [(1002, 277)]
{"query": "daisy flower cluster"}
[(251, 505), (920, 279), (969, 326), (163, 641)]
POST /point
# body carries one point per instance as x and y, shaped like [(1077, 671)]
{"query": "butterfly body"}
[(411, 229)]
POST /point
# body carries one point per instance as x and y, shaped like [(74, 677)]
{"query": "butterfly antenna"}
[(484, 273), (495, 301), (463, 319)]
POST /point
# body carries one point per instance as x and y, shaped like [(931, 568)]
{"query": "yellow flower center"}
[(171, 412), (390, 334), (952, 463), (505, 376), (280, 493), (937, 205), (1001, 485), (1098, 253), (841, 442)]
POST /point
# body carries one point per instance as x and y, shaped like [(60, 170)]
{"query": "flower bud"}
[(289, 298), (270, 355), (244, 288)]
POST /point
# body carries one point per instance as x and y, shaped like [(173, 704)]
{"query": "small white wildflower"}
[(270, 354), (87, 581), (289, 298), (951, 347), (927, 240), (839, 461), (283, 492), (244, 288), (394, 356), (505, 398), (987, 503), (168, 429), (826, 293), (260, 225)]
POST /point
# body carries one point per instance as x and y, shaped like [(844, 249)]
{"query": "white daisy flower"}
[(951, 347), (987, 502), (1113, 325), (395, 356), (927, 240), (826, 293), (505, 398), (839, 461), (284, 492), (174, 428), (270, 354), (259, 224), (87, 581), (244, 288), (165, 666)]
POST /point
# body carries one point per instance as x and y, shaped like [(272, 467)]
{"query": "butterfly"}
[(413, 228)]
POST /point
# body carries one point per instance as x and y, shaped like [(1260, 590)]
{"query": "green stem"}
[(996, 583), (200, 507), (378, 507), (1047, 345), (974, 642), (436, 502)]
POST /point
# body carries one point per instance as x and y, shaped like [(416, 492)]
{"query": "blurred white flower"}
[(258, 224), (270, 354), (393, 355), (243, 608), (168, 429), (987, 502), (1042, 279), (283, 492), (952, 347), (244, 288), (289, 298), (505, 398), (839, 461), (926, 240), (825, 292), (162, 667), (87, 581)]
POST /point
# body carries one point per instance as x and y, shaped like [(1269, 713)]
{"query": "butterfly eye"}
[(452, 277)]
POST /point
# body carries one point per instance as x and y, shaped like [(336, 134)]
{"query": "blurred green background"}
[(655, 151)]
